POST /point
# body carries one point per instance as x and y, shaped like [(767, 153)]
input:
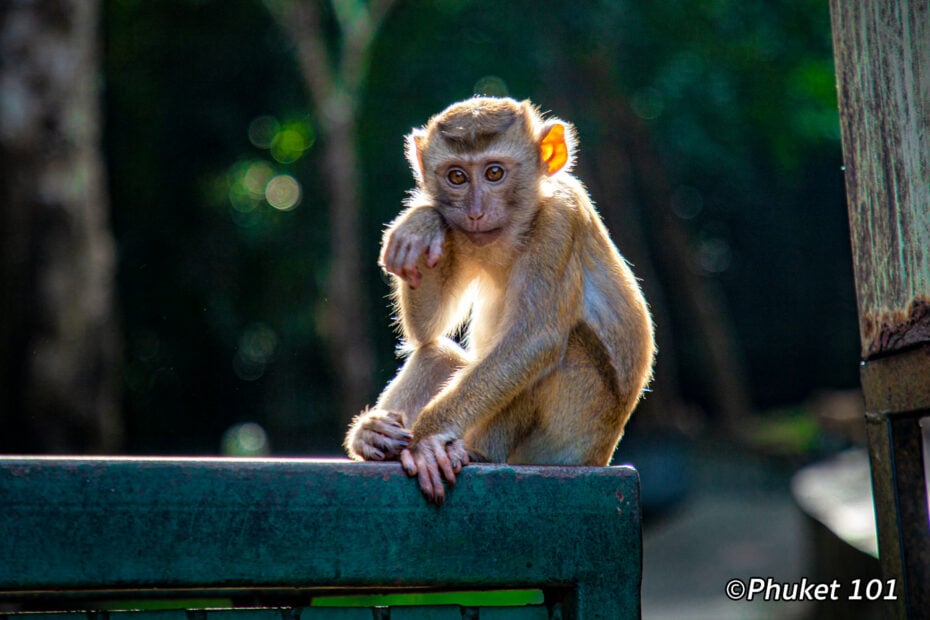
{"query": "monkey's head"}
[(482, 161)]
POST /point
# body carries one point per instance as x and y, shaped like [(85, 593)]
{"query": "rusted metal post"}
[(882, 52)]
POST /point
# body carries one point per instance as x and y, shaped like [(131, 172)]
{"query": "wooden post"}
[(882, 52)]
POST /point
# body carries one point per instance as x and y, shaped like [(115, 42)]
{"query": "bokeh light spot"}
[(247, 439), (648, 103), (714, 256), (291, 141), (262, 131), (687, 202), (256, 178), (258, 344), (247, 180), (491, 86), (240, 199), (283, 192)]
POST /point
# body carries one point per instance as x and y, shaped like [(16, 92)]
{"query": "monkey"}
[(527, 337)]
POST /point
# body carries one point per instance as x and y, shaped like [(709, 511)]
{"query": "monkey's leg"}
[(495, 437), (381, 433), (580, 411), (425, 372)]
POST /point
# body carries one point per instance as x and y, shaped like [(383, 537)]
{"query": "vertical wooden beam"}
[(882, 52)]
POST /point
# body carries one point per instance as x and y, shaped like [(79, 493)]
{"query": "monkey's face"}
[(482, 161), (479, 194)]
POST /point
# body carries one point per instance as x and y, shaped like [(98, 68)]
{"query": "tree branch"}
[(301, 22)]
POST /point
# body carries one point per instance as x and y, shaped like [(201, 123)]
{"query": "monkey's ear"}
[(413, 145), (554, 147)]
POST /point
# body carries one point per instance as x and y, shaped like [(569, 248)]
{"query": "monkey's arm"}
[(418, 230), (534, 331), (542, 303)]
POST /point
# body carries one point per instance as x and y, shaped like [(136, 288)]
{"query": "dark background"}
[(709, 141)]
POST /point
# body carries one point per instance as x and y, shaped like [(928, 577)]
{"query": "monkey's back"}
[(613, 304)]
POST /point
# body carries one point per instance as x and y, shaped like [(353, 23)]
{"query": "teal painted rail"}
[(77, 531)]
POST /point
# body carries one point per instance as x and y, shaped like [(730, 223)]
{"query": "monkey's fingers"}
[(445, 464), (408, 263), (400, 258), (379, 435), (429, 477), (365, 450), (434, 251), (413, 278), (374, 446), (457, 454), (388, 257), (387, 427), (408, 463), (394, 257)]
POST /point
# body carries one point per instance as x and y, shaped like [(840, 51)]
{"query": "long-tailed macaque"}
[(501, 244)]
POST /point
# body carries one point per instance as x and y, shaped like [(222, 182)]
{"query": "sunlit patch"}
[(283, 192), (262, 131), (491, 86)]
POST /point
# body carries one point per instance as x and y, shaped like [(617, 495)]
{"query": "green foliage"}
[(221, 247)]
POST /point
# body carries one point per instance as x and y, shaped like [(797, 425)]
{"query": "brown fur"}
[(559, 339)]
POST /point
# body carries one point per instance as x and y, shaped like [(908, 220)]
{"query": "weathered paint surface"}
[(228, 525), (897, 383), (882, 52)]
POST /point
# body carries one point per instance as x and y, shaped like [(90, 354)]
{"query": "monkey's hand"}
[(418, 231), (377, 435), (431, 459)]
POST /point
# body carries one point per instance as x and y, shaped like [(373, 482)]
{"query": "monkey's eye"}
[(457, 176), (494, 173)]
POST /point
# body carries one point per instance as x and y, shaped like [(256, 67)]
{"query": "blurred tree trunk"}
[(58, 337), (335, 86), (615, 186), (724, 370)]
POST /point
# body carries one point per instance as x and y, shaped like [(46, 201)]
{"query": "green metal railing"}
[(279, 538)]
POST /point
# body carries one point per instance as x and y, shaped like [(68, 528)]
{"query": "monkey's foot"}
[(377, 435), (431, 459)]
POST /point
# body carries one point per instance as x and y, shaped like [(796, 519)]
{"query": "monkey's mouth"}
[(483, 237)]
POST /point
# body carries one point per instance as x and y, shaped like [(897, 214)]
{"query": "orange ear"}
[(553, 148)]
